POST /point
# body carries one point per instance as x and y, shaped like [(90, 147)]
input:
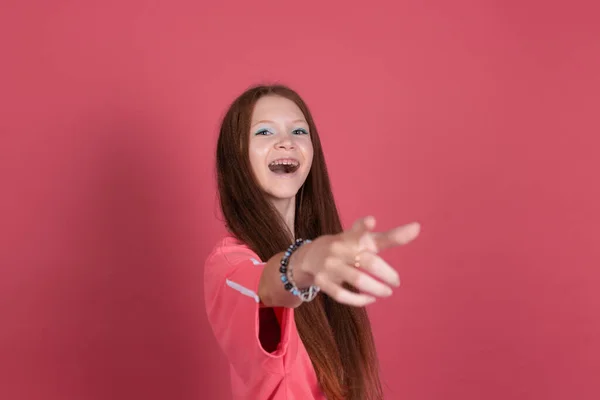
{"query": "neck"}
[(287, 209)]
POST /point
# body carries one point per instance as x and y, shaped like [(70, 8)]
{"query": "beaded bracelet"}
[(287, 276)]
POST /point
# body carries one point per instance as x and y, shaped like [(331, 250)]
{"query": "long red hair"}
[(337, 337)]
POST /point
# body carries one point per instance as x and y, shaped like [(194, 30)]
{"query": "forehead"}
[(276, 108)]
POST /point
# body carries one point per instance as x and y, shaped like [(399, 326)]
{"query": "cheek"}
[(307, 150), (257, 155), (255, 163)]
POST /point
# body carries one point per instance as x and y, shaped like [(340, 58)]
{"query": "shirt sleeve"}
[(231, 278)]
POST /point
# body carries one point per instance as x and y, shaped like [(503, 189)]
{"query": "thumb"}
[(360, 232), (362, 226)]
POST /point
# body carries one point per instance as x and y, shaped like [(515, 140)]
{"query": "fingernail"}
[(414, 228), (370, 222)]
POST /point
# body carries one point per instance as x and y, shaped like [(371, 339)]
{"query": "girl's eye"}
[(263, 132), (301, 131)]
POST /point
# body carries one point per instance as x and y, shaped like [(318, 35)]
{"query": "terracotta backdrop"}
[(477, 118)]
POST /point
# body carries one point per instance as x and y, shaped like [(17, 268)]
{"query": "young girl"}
[(289, 312)]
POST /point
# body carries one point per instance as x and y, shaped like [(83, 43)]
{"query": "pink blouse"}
[(281, 372)]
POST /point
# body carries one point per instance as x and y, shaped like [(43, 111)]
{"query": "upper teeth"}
[(285, 162)]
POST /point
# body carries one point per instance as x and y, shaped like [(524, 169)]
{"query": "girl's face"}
[(280, 148)]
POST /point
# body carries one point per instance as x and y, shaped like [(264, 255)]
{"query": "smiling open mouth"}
[(284, 166)]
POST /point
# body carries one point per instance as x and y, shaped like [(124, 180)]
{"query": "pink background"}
[(477, 118)]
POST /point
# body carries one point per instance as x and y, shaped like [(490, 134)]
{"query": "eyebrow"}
[(262, 121)]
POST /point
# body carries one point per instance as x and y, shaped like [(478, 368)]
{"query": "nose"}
[(286, 142)]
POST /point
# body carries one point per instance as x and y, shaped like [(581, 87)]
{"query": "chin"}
[(283, 191), (283, 186), (282, 194)]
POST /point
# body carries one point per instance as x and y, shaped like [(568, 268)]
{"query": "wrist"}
[(302, 277), (288, 279)]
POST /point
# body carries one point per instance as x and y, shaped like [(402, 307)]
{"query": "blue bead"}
[(295, 292), (283, 278)]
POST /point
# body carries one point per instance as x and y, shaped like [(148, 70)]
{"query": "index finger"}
[(396, 237)]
